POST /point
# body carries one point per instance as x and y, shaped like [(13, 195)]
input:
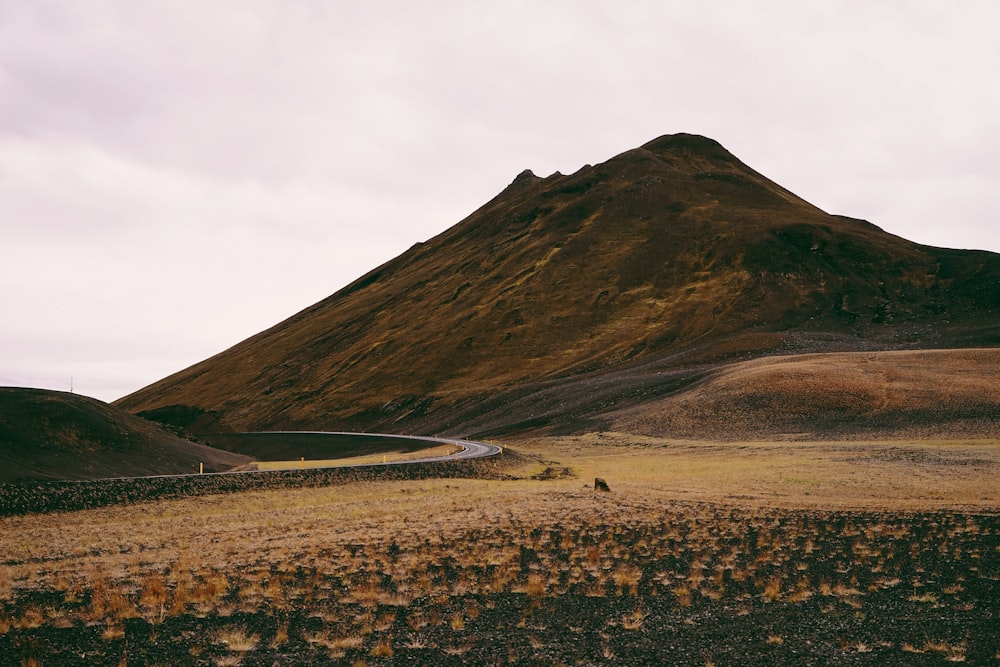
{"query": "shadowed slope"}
[(55, 435), (597, 289)]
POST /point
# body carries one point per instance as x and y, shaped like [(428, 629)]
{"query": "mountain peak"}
[(684, 142), (693, 151), (526, 176)]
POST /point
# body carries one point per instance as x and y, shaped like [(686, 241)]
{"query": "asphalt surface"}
[(470, 449)]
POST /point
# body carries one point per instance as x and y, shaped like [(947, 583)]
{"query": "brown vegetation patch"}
[(553, 472), (928, 393)]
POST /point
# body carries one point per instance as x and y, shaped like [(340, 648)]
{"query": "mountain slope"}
[(55, 435), (588, 292), (878, 395)]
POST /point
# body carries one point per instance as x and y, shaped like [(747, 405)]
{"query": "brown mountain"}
[(55, 435), (569, 297)]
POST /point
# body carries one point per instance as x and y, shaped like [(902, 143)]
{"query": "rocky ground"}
[(539, 578)]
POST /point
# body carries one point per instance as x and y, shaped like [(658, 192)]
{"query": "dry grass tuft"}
[(237, 639), (382, 649)]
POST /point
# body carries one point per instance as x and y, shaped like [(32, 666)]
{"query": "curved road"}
[(44, 502), (470, 448)]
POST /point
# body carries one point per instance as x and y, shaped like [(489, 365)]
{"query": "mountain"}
[(56, 435), (568, 297)]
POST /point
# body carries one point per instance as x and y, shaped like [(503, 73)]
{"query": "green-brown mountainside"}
[(570, 297), (56, 435)]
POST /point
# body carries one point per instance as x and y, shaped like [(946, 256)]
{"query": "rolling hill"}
[(57, 435), (568, 299), (877, 395)]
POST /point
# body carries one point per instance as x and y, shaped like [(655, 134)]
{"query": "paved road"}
[(470, 448)]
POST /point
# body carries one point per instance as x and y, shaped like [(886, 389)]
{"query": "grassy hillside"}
[(56, 435), (928, 393)]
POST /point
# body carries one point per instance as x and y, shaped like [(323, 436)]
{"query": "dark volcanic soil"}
[(516, 629), (758, 587)]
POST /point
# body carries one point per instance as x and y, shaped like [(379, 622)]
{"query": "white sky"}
[(177, 175)]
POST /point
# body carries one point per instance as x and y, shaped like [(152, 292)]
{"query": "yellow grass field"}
[(915, 474), (387, 457)]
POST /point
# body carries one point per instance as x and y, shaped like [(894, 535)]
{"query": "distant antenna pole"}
[(71, 384)]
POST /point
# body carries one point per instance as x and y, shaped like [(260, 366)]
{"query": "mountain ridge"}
[(674, 254)]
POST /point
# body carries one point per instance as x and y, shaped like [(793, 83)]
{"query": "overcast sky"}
[(177, 175)]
